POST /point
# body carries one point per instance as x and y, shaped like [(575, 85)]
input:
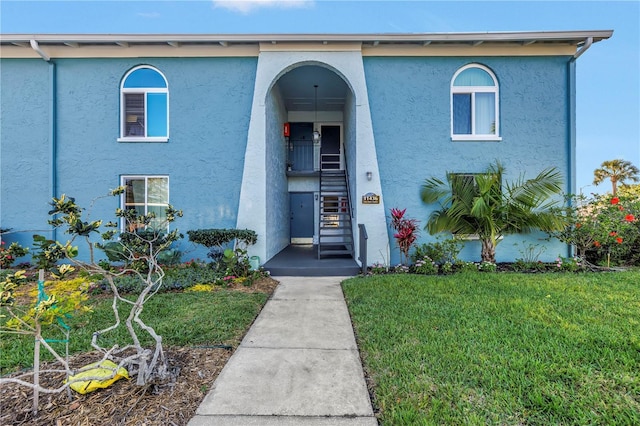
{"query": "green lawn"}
[(182, 319), (483, 348)]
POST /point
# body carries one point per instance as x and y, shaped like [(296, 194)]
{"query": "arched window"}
[(474, 104), (144, 106)]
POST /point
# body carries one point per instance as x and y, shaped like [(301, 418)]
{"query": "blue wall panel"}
[(209, 112), (25, 148), (410, 110)]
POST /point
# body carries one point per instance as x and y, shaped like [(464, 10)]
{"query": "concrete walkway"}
[(297, 365)]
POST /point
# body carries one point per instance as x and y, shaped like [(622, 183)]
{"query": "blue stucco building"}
[(298, 137)]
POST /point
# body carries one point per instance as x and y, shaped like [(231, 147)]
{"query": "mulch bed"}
[(124, 403)]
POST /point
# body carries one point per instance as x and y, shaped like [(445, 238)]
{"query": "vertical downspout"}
[(571, 128), (571, 134), (53, 119), (53, 79)]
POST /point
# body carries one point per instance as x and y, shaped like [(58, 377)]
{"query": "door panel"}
[(301, 214), (301, 146)]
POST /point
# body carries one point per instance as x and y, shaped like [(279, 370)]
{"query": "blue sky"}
[(608, 82)]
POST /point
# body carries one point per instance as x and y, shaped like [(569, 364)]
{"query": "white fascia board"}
[(576, 37)]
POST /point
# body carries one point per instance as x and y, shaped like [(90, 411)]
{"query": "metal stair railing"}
[(363, 237)]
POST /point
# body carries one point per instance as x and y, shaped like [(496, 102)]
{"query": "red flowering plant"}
[(605, 230), (406, 232), (8, 255)]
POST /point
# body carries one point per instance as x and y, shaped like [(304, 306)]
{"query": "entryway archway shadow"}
[(301, 260)]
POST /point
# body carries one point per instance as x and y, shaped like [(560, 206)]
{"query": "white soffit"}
[(383, 44)]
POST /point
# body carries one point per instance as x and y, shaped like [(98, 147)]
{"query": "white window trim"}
[(123, 196), (142, 90), (143, 139), (472, 90), (475, 138)]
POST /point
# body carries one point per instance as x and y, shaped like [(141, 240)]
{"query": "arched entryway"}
[(312, 91), (315, 100)]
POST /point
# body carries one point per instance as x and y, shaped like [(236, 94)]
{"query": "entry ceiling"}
[(298, 93)]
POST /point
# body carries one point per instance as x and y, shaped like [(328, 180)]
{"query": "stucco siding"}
[(25, 151), (209, 112), (396, 124), (277, 191), (410, 108)]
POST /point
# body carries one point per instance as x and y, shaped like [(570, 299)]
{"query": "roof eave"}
[(526, 37)]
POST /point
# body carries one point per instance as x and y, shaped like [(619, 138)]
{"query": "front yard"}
[(200, 330), (486, 348)]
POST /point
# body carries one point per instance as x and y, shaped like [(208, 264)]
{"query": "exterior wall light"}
[(369, 175), (316, 132)]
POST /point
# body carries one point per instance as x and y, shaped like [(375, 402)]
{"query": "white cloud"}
[(246, 6)]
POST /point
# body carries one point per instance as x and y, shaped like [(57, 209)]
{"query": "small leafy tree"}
[(617, 171), (46, 312), (603, 229), (141, 247), (483, 205)]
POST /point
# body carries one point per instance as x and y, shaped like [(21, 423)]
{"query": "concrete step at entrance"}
[(302, 261)]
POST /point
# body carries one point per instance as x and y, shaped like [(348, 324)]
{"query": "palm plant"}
[(617, 171), (482, 205)]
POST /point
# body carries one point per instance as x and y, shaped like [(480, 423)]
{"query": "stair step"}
[(334, 252), (332, 239), (342, 234), (336, 239)]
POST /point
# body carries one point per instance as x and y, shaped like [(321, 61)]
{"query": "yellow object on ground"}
[(96, 371)]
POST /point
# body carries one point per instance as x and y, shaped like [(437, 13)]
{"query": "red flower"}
[(578, 225), (615, 200), (620, 208), (613, 233), (619, 240), (597, 244), (629, 218), (397, 213)]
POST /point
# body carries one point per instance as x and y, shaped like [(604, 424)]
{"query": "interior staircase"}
[(335, 237)]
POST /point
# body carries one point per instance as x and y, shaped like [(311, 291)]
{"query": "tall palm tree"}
[(617, 171), (481, 204)]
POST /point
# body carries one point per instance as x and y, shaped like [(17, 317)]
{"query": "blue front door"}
[(301, 147), (301, 215)]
